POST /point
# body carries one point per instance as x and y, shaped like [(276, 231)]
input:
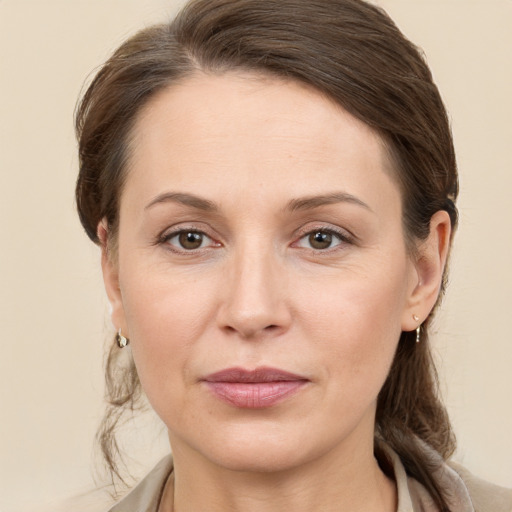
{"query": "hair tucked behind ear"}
[(349, 51)]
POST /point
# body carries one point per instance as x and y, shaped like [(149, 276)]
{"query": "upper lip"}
[(263, 374)]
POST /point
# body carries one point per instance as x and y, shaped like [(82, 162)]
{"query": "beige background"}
[(53, 319)]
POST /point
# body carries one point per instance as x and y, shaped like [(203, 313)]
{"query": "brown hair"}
[(348, 50)]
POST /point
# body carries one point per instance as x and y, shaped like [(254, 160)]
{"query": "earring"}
[(416, 318), (121, 340)]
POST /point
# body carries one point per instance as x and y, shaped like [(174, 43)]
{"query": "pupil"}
[(320, 240), (191, 240)]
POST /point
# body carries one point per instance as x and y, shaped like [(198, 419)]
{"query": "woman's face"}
[(260, 237)]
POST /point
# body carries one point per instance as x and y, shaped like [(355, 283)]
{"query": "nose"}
[(254, 297)]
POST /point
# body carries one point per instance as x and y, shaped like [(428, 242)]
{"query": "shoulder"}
[(464, 491), (486, 497)]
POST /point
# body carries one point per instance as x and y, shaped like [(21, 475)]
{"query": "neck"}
[(332, 483)]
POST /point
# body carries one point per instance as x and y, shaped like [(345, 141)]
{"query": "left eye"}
[(320, 240), (188, 240)]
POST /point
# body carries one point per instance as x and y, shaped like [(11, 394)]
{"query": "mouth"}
[(254, 389)]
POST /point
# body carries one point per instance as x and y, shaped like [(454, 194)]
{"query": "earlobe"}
[(430, 263), (109, 267)]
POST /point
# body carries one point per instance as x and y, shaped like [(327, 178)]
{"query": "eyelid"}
[(343, 235), (174, 231)]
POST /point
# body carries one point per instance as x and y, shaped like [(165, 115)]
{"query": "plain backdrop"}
[(53, 312)]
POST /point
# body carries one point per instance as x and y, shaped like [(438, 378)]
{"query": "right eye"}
[(188, 240)]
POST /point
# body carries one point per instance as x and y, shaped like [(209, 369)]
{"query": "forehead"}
[(241, 131), (280, 108)]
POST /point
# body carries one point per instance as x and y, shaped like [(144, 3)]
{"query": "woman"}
[(273, 186)]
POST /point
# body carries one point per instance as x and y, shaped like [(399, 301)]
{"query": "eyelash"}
[(165, 238), (341, 236)]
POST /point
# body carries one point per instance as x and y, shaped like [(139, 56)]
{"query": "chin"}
[(266, 448), (265, 458)]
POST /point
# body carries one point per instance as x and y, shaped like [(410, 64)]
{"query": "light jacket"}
[(468, 493)]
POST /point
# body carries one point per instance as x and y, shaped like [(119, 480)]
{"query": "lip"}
[(254, 389)]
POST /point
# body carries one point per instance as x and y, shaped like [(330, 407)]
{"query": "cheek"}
[(365, 304), (355, 321), (345, 329), (166, 314)]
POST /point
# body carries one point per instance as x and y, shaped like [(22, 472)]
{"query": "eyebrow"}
[(311, 202), (299, 204), (185, 199)]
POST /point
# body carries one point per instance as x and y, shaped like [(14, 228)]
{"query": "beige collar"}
[(412, 496)]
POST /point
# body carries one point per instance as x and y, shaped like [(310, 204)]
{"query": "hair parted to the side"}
[(348, 50)]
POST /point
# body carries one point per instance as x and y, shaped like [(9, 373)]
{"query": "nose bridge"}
[(254, 300)]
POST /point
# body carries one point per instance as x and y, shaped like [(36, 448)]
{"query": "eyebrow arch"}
[(303, 203), (310, 202), (185, 199)]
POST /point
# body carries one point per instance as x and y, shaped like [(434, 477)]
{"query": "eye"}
[(188, 240), (321, 239)]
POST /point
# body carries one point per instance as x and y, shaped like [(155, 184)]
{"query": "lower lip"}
[(255, 395)]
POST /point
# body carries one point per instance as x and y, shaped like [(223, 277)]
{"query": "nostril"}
[(249, 332)]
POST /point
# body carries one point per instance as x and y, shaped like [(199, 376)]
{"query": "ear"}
[(109, 266), (429, 267)]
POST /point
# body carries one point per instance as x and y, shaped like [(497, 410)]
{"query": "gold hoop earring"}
[(121, 340)]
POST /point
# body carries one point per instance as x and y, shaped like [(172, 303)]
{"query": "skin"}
[(260, 292)]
